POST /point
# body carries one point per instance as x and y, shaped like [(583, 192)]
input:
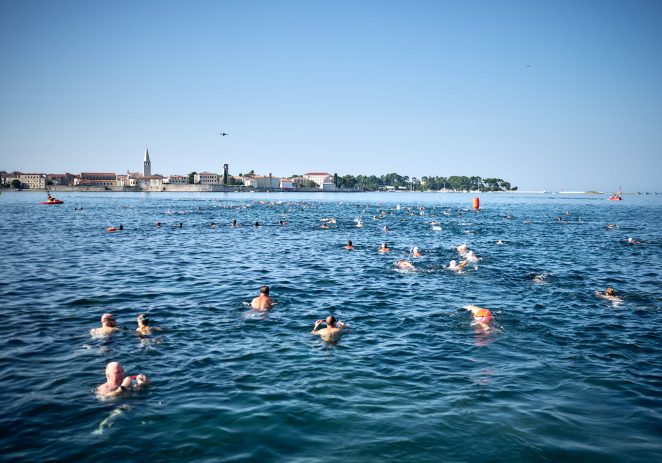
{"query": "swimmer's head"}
[(610, 292), (143, 319), (114, 372), (107, 317), (415, 249), (264, 290), (482, 315), (349, 243), (331, 320), (384, 244)]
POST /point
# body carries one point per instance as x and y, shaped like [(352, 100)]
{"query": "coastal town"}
[(223, 181)]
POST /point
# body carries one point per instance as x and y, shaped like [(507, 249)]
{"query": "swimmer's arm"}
[(315, 329)]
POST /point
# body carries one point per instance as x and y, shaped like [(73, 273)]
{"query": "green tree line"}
[(454, 182)]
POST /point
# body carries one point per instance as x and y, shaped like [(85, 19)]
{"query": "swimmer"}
[(633, 241), (612, 226), (384, 247), (349, 246), (385, 228), (158, 224), (471, 257), (480, 315), (462, 249), (332, 331), (359, 223), (405, 265), (234, 222), (257, 224), (116, 382), (213, 225), (610, 293), (415, 252), (499, 242), (181, 225), (143, 324), (121, 227), (108, 326), (454, 266), (263, 302)]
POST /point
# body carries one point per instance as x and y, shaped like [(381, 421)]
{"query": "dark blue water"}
[(560, 375)]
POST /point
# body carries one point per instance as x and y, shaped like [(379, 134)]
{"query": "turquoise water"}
[(561, 375)]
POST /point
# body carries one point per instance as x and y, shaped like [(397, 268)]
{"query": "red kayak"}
[(55, 201)]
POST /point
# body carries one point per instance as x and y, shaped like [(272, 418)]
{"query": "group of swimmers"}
[(116, 382)]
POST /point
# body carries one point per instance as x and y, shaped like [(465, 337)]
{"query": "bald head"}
[(331, 320), (114, 372)]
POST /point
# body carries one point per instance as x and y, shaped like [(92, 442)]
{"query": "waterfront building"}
[(151, 181), (262, 181), (206, 178), (128, 180), (328, 184), (61, 179), (5, 178), (176, 180), (287, 184), (298, 181), (318, 177), (105, 179), (33, 181), (8, 178)]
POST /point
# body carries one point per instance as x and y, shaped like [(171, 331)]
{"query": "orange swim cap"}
[(483, 314)]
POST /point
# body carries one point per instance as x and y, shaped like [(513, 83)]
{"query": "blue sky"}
[(545, 94)]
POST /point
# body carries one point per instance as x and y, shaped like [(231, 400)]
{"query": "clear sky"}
[(563, 94)]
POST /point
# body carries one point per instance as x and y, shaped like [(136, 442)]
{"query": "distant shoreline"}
[(241, 189)]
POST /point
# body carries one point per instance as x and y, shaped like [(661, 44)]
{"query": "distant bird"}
[(223, 134)]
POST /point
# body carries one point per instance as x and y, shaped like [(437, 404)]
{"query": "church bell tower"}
[(147, 165)]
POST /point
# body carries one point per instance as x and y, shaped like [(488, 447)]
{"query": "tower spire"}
[(147, 164)]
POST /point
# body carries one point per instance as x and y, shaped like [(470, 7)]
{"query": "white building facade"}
[(206, 178)]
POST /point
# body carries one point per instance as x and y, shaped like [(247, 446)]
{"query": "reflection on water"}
[(557, 374)]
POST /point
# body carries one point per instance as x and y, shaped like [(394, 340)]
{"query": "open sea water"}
[(558, 374)]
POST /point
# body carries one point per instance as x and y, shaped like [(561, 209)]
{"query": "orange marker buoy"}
[(476, 203)]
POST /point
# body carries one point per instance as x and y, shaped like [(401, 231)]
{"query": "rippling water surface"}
[(559, 374)]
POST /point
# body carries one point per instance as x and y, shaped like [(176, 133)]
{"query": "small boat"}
[(53, 201), (615, 197)]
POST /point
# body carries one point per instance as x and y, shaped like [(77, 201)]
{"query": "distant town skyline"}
[(548, 95)]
